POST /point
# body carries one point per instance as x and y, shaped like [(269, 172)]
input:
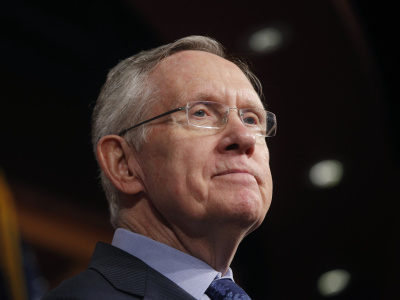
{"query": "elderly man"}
[(179, 133)]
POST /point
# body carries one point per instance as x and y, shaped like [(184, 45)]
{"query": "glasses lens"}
[(262, 122), (254, 118), (206, 114), (214, 115), (271, 124)]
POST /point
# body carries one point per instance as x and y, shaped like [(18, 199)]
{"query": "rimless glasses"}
[(214, 115)]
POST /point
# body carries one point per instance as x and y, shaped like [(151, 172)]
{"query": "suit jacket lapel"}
[(131, 275)]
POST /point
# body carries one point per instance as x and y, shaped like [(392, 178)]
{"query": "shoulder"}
[(86, 286), (115, 274)]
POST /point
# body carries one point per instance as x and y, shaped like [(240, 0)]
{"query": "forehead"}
[(193, 75)]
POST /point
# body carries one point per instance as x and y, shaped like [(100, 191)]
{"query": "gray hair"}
[(129, 95)]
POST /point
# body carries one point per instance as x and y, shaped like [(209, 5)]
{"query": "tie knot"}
[(226, 289)]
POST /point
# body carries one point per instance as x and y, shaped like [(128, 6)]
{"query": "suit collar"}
[(131, 275)]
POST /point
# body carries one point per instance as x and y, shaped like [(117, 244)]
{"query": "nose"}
[(236, 136)]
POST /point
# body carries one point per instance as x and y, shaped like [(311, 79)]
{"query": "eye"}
[(199, 113), (250, 120)]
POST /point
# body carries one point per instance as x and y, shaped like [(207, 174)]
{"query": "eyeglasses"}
[(214, 115)]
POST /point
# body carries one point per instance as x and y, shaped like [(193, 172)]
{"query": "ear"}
[(116, 158)]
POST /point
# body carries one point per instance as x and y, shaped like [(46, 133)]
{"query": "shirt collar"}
[(191, 274)]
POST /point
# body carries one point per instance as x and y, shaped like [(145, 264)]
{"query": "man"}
[(179, 133)]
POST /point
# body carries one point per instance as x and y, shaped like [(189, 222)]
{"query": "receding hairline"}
[(181, 58), (184, 54)]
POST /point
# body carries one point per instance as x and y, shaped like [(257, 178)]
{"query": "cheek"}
[(266, 185), (192, 167), (175, 170)]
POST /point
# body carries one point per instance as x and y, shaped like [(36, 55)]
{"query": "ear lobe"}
[(113, 154)]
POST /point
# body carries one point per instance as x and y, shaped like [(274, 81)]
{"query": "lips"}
[(233, 172)]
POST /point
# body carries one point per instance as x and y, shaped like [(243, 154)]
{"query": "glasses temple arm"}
[(149, 120)]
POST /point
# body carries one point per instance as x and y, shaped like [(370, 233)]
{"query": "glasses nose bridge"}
[(226, 115), (230, 108)]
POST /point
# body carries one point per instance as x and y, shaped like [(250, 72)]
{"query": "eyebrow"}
[(209, 97), (203, 97)]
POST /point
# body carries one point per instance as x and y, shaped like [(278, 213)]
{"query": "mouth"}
[(239, 175), (233, 172)]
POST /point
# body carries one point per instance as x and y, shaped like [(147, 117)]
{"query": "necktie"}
[(226, 289)]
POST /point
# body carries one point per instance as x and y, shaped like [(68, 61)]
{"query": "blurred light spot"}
[(333, 282), (266, 40), (326, 173)]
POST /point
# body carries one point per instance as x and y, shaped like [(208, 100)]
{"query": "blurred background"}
[(328, 70)]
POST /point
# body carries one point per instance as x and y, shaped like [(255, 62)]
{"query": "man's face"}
[(198, 178)]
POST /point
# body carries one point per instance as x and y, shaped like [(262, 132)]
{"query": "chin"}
[(249, 212)]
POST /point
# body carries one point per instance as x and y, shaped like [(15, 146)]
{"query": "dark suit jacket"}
[(114, 274)]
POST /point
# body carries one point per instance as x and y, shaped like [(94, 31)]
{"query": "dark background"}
[(332, 86)]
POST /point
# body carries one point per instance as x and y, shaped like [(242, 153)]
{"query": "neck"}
[(215, 244)]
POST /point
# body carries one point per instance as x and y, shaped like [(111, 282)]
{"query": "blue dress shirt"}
[(191, 274)]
